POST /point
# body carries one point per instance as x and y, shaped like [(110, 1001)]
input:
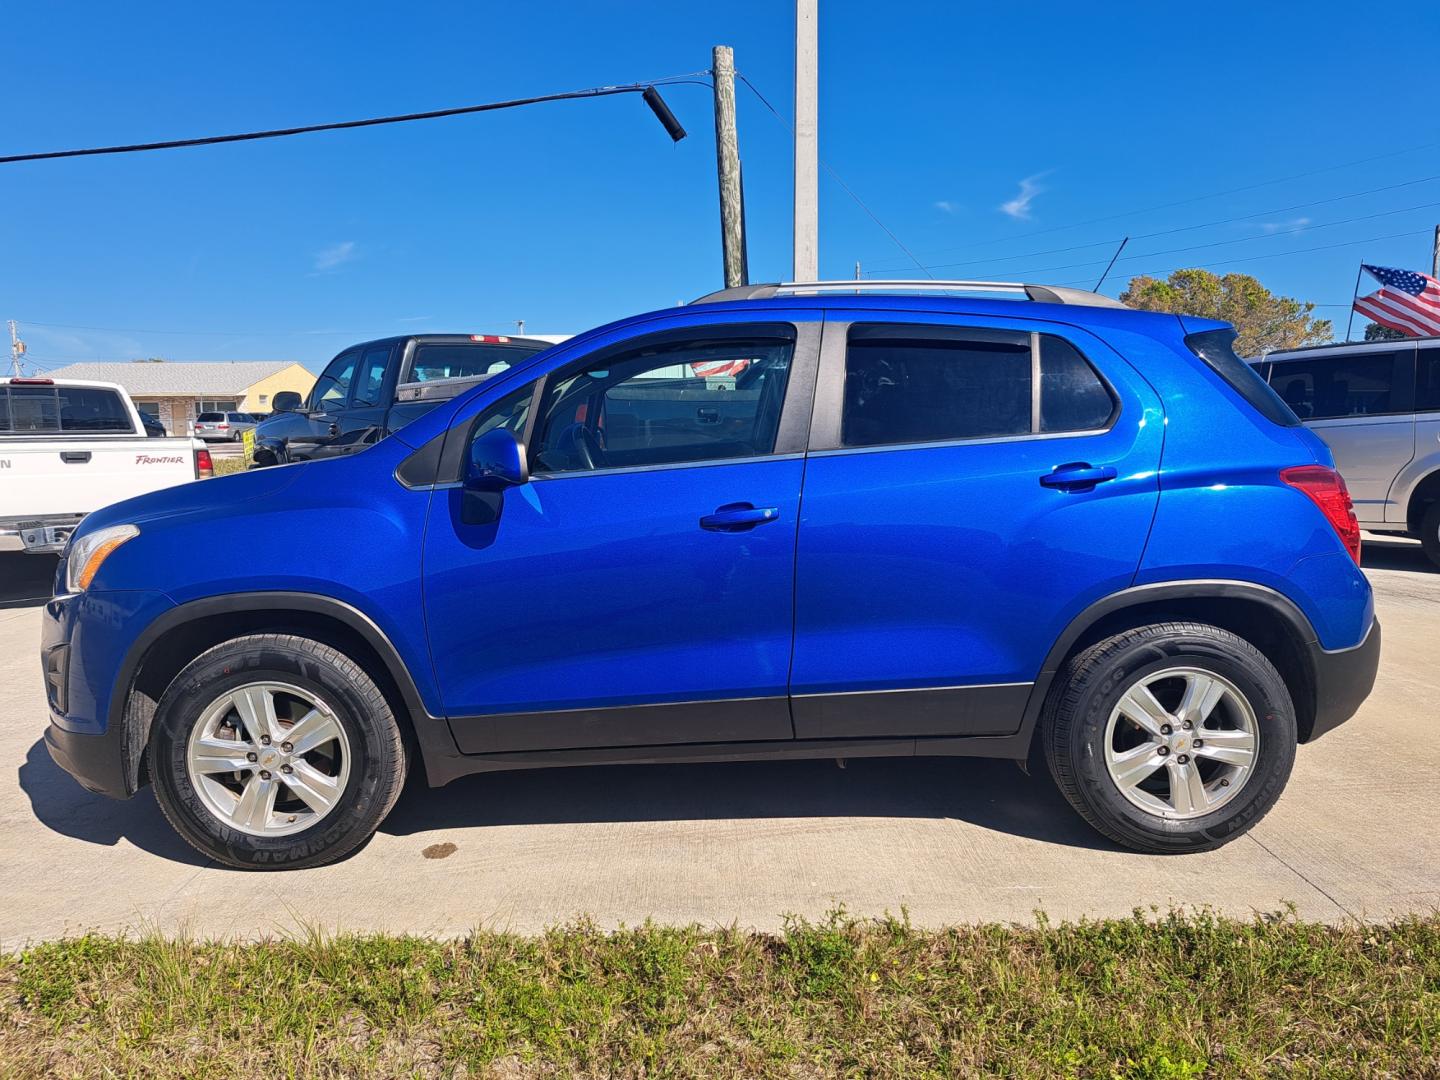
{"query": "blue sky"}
[(986, 136)]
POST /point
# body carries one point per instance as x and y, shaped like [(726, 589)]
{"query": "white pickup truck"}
[(68, 447)]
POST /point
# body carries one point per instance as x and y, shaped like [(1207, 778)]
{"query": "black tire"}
[(1430, 533), (1087, 690), (377, 768)]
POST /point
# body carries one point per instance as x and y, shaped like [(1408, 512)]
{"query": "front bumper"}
[(97, 762), (1343, 680)]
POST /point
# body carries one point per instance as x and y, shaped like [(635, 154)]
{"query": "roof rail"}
[(1045, 294)]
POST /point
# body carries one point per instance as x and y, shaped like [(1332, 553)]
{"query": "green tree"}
[(1264, 321), (1375, 332)]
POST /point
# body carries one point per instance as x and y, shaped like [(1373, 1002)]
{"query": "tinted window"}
[(698, 401), (1324, 387), (1217, 349), (333, 386), (210, 417), (239, 418), (372, 376), (1427, 379), (459, 361), (1072, 396), (906, 385), (64, 410)]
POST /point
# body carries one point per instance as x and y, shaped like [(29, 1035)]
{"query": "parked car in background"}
[(377, 387), (223, 426), (68, 447), (153, 427), (1377, 406), (1053, 525)]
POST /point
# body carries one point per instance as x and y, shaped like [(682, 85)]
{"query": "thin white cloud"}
[(334, 255), (1019, 207), (414, 318), (948, 207), (1294, 225)]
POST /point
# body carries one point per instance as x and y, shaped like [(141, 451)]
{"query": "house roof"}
[(171, 378)]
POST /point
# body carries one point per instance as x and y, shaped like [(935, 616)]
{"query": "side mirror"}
[(497, 461), (285, 401)]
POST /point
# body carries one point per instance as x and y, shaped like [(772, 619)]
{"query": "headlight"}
[(92, 549)]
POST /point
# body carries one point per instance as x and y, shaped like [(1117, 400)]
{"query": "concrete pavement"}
[(951, 841)]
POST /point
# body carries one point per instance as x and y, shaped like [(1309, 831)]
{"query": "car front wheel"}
[(1170, 738), (272, 751)]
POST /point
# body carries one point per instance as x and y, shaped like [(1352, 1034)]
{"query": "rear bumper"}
[(1343, 680), (37, 535)]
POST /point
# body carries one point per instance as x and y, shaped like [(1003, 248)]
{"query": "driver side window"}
[(334, 383), (691, 401)]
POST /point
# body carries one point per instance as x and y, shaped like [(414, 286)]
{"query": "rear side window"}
[(63, 410), (1217, 349), (916, 384), (1328, 387), (1427, 379)]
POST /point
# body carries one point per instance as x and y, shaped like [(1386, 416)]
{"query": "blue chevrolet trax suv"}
[(786, 521)]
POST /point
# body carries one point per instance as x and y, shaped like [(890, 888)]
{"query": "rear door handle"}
[(75, 457), (737, 517), (1077, 476)]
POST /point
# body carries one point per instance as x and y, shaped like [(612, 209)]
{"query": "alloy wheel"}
[(268, 758), (1181, 743)]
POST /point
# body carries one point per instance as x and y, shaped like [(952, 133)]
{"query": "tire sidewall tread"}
[(376, 748), (1075, 717)]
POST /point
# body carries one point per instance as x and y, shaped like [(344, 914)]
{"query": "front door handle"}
[(737, 517), (1077, 476)]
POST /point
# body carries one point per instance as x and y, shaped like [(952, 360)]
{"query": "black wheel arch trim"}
[(431, 732), (1138, 595)]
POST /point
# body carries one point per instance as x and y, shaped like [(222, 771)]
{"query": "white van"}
[(1377, 405)]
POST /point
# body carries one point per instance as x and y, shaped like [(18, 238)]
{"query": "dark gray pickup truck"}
[(377, 387)]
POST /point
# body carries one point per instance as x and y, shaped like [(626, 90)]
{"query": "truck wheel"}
[(1170, 738), (272, 751), (1430, 533)]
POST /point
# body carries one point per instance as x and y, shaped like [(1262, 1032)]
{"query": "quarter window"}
[(916, 384), (1427, 379), (1327, 387), (693, 401)]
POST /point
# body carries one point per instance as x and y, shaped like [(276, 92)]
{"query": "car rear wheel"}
[(1170, 738), (1430, 533), (273, 751)]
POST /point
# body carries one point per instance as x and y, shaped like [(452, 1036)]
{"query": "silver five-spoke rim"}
[(1181, 743), (268, 759)]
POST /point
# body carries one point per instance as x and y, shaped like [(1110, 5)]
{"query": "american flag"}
[(1409, 302), (715, 369)]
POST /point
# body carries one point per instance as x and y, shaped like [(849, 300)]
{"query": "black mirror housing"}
[(285, 401)]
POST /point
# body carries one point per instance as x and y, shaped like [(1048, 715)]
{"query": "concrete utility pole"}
[(727, 168), (807, 159), (17, 350)]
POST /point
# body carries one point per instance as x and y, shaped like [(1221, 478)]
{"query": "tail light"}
[(1326, 489), (204, 467)]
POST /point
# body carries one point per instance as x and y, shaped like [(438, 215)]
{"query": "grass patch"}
[(1175, 997), (225, 465)]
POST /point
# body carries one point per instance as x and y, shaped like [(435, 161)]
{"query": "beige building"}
[(176, 392)]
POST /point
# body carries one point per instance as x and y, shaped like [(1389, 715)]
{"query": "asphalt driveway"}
[(949, 841)]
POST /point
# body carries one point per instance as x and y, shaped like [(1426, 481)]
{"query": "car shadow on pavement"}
[(990, 793), (62, 805), (1397, 554)]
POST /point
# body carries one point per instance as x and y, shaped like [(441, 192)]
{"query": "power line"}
[(647, 90), (1196, 198), (837, 178), (1270, 255), (1184, 228)]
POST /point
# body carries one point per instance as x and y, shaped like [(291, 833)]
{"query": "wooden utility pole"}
[(807, 167), (727, 168), (1435, 255)]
